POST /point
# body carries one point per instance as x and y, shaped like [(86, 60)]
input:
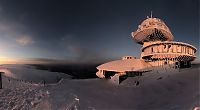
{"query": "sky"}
[(86, 31)]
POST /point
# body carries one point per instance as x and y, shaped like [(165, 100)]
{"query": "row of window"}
[(169, 48), (127, 57)]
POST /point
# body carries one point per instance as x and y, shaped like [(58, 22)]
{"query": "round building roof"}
[(124, 65), (152, 29)]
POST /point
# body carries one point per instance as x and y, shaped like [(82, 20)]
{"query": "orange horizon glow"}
[(6, 60)]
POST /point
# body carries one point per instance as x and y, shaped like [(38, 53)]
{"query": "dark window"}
[(143, 50), (165, 46)]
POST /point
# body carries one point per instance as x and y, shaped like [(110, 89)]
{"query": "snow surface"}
[(163, 89), (30, 73), (18, 95)]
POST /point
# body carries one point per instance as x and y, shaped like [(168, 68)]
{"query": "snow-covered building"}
[(158, 45), (158, 48)]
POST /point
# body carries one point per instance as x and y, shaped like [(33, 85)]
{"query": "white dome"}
[(124, 65), (151, 26)]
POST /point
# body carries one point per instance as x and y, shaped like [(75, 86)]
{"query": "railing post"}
[(1, 80)]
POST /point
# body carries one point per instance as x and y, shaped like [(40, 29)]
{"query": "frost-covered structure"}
[(158, 45), (158, 48)]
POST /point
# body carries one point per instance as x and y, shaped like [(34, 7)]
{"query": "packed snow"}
[(170, 89)]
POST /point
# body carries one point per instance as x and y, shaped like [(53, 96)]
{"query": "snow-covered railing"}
[(41, 83), (20, 80), (59, 82)]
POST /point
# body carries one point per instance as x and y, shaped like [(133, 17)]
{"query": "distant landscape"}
[(77, 71)]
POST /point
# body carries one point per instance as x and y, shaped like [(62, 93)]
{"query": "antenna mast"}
[(151, 14)]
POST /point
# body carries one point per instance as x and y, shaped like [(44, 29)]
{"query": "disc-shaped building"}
[(158, 48)]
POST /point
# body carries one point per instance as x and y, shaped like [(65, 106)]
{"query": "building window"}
[(185, 49), (185, 63), (143, 50), (152, 49), (165, 46), (179, 49)]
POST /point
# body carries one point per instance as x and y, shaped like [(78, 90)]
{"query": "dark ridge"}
[(77, 71)]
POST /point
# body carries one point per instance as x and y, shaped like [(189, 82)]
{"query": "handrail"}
[(32, 82)]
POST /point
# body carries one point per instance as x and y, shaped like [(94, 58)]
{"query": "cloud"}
[(13, 31), (46, 61), (80, 52), (24, 40)]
